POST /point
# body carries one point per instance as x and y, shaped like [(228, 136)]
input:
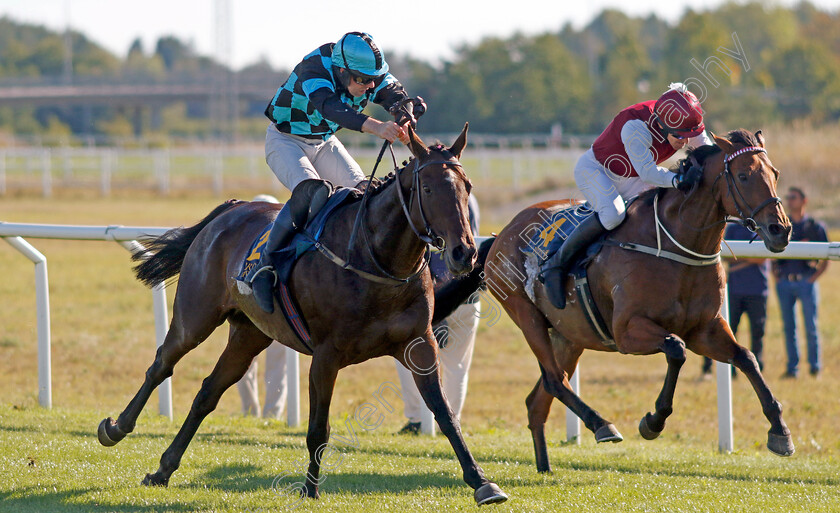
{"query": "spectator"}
[(276, 385), (797, 280), (748, 286), (456, 335)]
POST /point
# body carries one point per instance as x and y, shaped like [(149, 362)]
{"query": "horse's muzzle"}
[(460, 259), (776, 236)]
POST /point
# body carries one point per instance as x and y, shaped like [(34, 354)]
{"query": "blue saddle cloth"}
[(304, 241), (284, 260), (546, 237)]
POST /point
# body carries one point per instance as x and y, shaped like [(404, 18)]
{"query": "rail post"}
[(42, 305)]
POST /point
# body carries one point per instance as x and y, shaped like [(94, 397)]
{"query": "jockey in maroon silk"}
[(622, 163)]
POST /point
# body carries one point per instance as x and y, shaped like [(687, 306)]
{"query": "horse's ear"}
[(723, 144), (415, 144), (760, 138), (460, 142)]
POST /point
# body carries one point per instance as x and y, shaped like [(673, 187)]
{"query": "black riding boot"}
[(307, 200), (264, 281), (553, 272)]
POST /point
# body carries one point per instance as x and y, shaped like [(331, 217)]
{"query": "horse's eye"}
[(426, 189), (742, 177)]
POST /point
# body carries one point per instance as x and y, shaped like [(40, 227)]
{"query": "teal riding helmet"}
[(357, 53)]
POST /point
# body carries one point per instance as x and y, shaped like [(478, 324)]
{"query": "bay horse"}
[(383, 309), (649, 304)]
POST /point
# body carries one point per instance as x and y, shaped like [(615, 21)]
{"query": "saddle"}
[(285, 258), (545, 241)]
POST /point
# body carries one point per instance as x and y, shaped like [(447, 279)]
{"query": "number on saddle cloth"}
[(546, 239), (304, 241)]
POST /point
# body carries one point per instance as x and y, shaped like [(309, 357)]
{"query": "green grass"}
[(53, 462), (103, 341)]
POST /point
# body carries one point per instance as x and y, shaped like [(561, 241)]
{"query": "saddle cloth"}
[(554, 229), (546, 240), (284, 259)]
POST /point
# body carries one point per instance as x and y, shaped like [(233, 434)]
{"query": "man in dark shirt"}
[(797, 280), (748, 288)]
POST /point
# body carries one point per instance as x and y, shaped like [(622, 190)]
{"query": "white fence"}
[(46, 170), (13, 233)]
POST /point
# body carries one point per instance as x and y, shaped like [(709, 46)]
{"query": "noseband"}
[(747, 220)]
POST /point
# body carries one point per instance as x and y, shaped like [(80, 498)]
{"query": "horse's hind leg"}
[(244, 343), (539, 405), (185, 333), (652, 424), (718, 343), (555, 374)]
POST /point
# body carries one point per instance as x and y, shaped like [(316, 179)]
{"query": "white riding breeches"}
[(606, 191), (294, 159)]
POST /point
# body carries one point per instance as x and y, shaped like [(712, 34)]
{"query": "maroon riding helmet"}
[(679, 112)]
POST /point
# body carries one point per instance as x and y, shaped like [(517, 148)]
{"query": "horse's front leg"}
[(718, 343), (420, 357), (643, 336), (322, 375)]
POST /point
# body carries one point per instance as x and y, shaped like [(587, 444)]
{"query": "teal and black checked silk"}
[(313, 103)]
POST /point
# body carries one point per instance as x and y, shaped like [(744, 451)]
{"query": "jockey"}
[(621, 164), (326, 91)]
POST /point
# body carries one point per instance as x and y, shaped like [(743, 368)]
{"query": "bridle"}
[(747, 220), (428, 236)]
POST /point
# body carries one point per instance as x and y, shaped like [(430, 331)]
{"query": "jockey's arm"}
[(637, 142), (701, 140), (329, 104)]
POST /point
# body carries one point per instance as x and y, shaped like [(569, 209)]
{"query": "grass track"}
[(103, 343), (52, 462)]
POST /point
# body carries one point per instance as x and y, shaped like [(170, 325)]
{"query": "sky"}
[(283, 31)]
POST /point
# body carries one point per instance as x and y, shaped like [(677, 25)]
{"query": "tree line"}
[(751, 65)]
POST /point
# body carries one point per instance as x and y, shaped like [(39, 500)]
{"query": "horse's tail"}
[(450, 296), (164, 256)]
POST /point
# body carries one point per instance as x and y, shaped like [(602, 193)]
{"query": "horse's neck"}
[(696, 222), (392, 240)]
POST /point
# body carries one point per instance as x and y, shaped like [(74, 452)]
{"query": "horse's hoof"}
[(781, 445), (155, 480), (608, 433), (312, 493), (645, 430), (106, 439), (489, 493)]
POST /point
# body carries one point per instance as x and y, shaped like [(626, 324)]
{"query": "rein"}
[(747, 221), (429, 237)]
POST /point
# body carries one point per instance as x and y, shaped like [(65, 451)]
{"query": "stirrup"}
[(268, 269)]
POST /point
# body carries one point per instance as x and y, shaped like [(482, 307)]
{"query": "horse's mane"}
[(378, 185), (701, 153), (739, 136)]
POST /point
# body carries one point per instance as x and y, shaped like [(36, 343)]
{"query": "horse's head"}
[(437, 200), (746, 187)]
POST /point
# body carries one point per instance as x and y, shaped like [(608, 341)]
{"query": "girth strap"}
[(364, 274), (696, 262)]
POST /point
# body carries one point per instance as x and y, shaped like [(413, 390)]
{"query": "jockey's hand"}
[(687, 179), (419, 107), (387, 130)]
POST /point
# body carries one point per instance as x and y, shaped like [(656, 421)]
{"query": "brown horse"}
[(351, 317), (649, 304)]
